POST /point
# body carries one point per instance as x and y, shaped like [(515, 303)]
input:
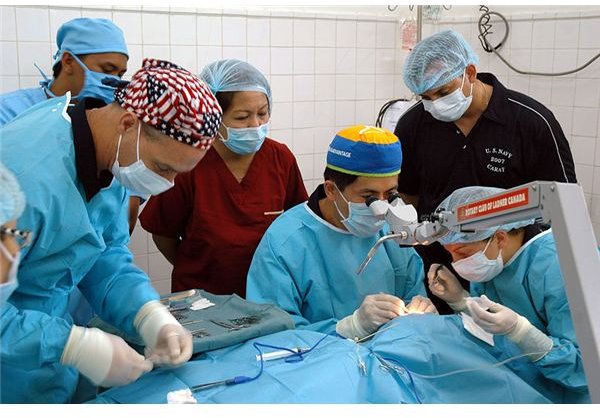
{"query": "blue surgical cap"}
[(89, 36), (437, 60), (467, 195), (12, 200), (235, 75)]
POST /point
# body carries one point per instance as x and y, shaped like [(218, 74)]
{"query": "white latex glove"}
[(167, 342), (420, 304), (444, 284), (499, 319), (104, 358), (374, 311)]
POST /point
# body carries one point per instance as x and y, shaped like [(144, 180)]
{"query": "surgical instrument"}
[(234, 381)]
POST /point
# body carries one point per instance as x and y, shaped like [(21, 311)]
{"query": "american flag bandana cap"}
[(174, 101)]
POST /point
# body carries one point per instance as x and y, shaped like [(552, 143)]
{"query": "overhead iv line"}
[(484, 26)]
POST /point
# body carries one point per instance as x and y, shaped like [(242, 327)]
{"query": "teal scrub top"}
[(16, 102), (532, 285), (308, 267), (76, 243)]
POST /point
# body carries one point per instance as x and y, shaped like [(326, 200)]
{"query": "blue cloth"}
[(308, 268), (532, 285), (12, 105), (16, 102), (426, 345), (89, 36), (437, 60), (76, 243)]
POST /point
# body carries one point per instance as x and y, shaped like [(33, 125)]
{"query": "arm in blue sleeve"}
[(31, 338), (408, 270), (114, 286), (563, 364)]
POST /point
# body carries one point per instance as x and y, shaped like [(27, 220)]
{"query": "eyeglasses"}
[(23, 237)]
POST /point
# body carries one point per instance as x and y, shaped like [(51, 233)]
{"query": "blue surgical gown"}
[(308, 267), (532, 285), (12, 105), (76, 243), (16, 102)]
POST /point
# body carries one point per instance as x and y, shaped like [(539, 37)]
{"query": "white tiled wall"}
[(550, 42), (331, 70), (327, 71)]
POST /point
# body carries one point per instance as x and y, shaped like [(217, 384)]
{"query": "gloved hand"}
[(104, 358), (374, 311), (446, 286), (420, 304), (167, 342), (499, 319)]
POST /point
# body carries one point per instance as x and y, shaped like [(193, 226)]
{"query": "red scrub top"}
[(222, 221)]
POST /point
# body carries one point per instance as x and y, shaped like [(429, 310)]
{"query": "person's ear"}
[(67, 63), (502, 238), (330, 189), (127, 121), (471, 73)]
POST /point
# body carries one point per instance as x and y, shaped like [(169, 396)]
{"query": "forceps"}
[(230, 327)]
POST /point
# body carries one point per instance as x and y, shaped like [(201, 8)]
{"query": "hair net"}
[(12, 199), (470, 194), (174, 101), (89, 36), (365, 151), (437, 60), (235, 75)]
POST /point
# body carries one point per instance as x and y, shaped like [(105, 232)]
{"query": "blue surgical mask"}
[(92, 84), (451, 107), (138, 178), (11, 283), (244, 141), (478, 268), (361, 220)]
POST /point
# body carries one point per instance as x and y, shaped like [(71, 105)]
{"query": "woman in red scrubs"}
[(209, 225)]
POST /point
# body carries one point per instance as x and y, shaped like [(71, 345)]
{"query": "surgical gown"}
[(16, 102), (76, 243), (308, 268), (532, 285)]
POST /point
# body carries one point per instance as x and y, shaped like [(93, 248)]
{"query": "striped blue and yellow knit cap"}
[(365, 151)]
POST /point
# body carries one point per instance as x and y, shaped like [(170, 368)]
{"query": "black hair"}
[(342, 180), (225, 98), (58, 67)]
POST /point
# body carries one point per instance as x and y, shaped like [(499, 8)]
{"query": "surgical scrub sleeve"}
[(77, 243), (308, 268), (532, 285), (16, 102)]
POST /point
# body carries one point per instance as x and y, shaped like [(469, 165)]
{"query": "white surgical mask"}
[(11, 283), (450, 107), (478, 268), (361, 221), (138, 178)]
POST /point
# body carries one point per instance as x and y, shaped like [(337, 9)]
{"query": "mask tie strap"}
[(138, 140)]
